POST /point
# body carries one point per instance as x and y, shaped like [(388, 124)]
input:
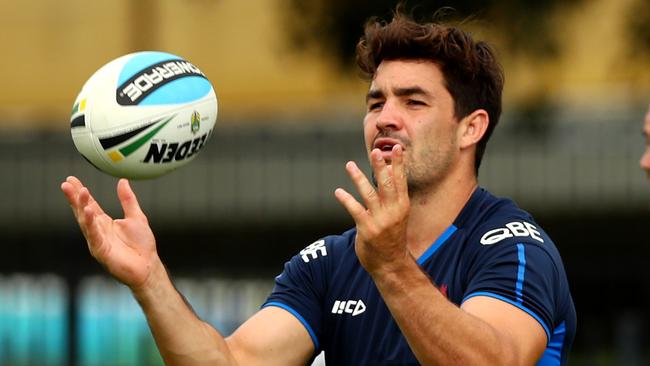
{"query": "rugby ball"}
[(143, 115)]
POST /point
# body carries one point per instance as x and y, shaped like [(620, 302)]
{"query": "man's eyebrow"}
[(374, 94), (400, 92), (412, 90)]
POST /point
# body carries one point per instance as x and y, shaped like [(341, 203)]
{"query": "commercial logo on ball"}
[(145, 82), (195, 125), (159, 151)]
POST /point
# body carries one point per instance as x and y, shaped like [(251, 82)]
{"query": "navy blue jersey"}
[(493, 249)]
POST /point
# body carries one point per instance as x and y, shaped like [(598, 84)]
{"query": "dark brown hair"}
[(472, 74)]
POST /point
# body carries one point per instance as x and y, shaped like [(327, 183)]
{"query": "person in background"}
[(645, 158)]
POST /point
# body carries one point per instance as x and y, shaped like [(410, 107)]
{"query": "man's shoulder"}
[(340, 242), (487, 206), (332, 246), (498, 221)]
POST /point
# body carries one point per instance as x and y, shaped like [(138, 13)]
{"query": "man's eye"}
[(374, 106), (415, 102)]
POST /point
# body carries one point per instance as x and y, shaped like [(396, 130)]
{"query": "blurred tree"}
[(143, 21), (639, 29), (522, 27), (334, 26)]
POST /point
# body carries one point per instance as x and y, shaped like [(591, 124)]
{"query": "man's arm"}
[(126, 247), (272, 336), (484, 331), (182, 338)]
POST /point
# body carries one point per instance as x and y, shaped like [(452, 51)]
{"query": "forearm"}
[(439, 332), (182, 338)]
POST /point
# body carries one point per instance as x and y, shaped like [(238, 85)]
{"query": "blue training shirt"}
[(493, 249)]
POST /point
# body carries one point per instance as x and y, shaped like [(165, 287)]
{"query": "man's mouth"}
[(386, 144)]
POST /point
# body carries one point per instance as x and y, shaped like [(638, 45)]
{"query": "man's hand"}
[(126, 247), (381, 224)]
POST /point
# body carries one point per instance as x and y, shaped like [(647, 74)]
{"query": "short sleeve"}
[(519, 272), (300, 288)]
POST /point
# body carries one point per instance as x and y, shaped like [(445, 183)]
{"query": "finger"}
[(87, 200), (70, 188), (383, 174), (128, 200), (71, 195), (74, 181), (86, 210), (93, 232), (354, 208), (398, 172), (366, 190)]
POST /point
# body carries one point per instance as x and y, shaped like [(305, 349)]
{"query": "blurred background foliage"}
[(294, 59), (639, 29), (532, 30), (335, 26)]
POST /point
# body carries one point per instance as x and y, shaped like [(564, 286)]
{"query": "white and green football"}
[(143, 115)]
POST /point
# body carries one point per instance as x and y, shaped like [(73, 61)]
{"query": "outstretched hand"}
[(381, 223), (126, 247)]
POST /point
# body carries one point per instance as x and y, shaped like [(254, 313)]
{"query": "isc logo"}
[(514, 228), (354, 307)]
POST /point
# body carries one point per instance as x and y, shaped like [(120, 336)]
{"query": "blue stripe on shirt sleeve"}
[(300, 318), (521, 270)]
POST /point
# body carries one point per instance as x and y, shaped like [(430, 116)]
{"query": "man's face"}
[(645, 158), (408, 104)]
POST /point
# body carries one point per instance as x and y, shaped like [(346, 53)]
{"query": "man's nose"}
[(389, 118)]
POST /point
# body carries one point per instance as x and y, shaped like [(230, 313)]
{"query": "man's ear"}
[(472, 128)]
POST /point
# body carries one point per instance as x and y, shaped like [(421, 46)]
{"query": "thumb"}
[(128, 200)]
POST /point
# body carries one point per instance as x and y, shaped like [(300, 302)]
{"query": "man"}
[(437, 270), (645, 158)]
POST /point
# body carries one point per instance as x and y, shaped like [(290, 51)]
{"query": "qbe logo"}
[(512, 229), (354, 307), (313, 251)]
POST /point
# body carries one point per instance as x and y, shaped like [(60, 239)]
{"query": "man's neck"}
[(432, 212)]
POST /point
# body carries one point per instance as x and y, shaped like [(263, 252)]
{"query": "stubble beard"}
[(427, 170)]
